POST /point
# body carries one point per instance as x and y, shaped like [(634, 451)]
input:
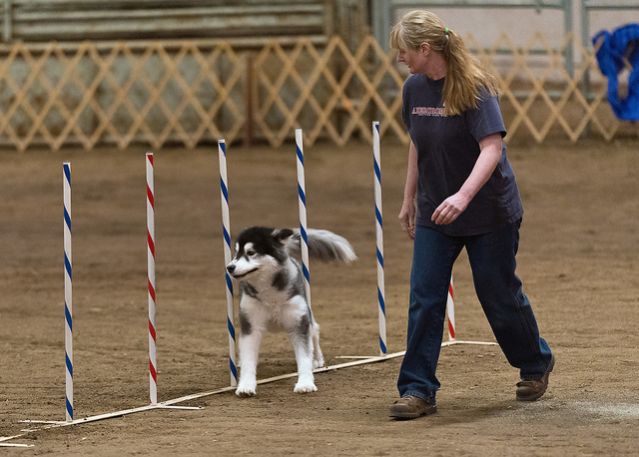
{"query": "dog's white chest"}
[(271, 308)]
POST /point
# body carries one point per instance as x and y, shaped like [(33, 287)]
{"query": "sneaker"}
[(411, 407), (532, 389)]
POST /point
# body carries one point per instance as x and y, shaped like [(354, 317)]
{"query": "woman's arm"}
[(453, 206), (407, 213)]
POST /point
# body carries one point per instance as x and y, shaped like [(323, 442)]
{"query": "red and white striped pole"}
[(150, 237), (450, 310)]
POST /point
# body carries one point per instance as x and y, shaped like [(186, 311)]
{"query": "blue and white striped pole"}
[(68, 291), (379, 235), (301, 193), (226, 231)]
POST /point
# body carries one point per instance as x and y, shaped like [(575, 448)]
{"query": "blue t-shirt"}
[(447, 149)]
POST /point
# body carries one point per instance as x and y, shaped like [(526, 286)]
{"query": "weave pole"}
[(150, 236), (301, 193), (68, 291), (452, 332), (450, 310), (226, 231), (70, 420), (379, 237)]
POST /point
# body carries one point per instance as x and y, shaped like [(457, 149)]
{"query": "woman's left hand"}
[(450, 209)]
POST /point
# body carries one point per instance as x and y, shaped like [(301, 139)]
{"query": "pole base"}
[(179, 407)]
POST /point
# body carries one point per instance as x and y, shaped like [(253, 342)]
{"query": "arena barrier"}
[(37, 425)]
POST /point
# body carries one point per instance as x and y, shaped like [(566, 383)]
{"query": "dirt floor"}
[(578, 259)]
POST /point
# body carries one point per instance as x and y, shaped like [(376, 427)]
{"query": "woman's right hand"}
[(407, 218)]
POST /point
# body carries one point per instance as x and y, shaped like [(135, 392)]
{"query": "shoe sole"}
[(539, 394), (408, 416), (531, 397)]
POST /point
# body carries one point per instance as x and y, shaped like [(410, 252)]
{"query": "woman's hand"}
[(407, 218), (450, 209), (490, 152), (408, 212)]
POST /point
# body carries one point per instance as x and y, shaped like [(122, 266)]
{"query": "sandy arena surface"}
[(578, 259)]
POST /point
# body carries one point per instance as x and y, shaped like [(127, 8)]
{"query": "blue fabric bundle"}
[(623, 41)]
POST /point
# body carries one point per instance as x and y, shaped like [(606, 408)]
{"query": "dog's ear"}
[(282, 235)]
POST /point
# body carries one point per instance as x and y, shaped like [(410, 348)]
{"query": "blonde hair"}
[(465, 78)]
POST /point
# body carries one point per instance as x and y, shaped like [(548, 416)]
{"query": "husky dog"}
[(273, 296)]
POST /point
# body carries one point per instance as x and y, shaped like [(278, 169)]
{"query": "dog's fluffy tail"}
[(323, 245)]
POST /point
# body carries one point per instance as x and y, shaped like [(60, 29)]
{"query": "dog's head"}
[(259, 250)]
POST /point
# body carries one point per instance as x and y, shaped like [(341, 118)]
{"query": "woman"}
[(460, 192)]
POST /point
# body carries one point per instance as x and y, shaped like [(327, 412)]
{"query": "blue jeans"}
[(492, 260)]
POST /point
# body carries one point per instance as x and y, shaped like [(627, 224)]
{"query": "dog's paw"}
[(319, 363), (245, 391), (304, 387)]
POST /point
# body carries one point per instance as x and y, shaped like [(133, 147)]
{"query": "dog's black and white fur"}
[(273, 296)]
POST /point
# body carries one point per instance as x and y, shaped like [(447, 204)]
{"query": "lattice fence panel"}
[(153, 93), (330, 92), (540, 97), (193, 92)]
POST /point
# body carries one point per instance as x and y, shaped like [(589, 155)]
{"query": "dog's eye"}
[(250, 253)]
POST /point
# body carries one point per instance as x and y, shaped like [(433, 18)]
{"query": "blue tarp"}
[(622, 42)]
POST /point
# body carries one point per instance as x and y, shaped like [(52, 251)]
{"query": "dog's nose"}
[(230, 268)]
